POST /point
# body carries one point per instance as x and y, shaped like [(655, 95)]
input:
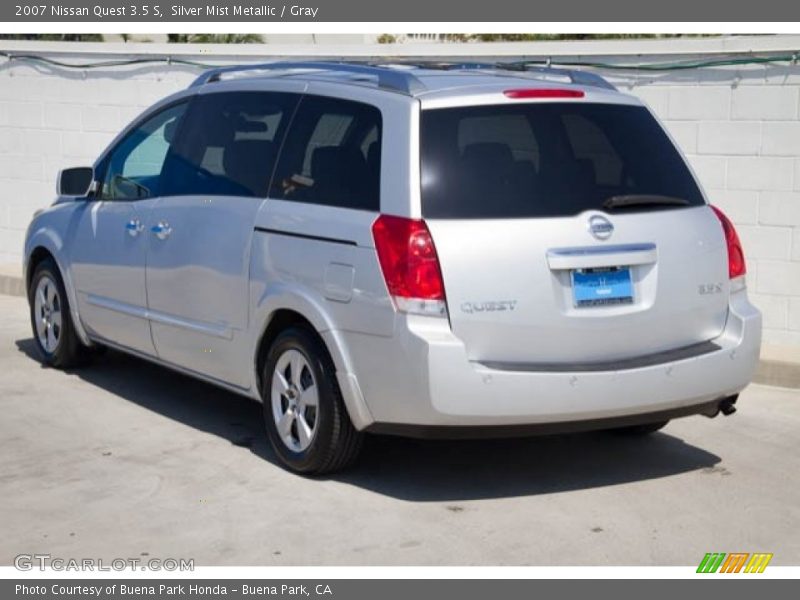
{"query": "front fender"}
[(41, 235)]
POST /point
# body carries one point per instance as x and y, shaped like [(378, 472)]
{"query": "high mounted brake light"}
[(543, 93)]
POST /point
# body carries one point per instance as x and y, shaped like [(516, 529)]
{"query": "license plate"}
[(602, 287)]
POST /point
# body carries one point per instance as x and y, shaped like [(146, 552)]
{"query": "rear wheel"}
[(53, 330), (644, 429), (305, 417)]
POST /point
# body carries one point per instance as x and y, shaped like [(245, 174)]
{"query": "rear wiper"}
[(643, 200)]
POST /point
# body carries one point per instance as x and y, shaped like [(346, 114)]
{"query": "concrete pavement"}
[(126, 459)]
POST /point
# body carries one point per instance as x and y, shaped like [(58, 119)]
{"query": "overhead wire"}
[(791, 58)]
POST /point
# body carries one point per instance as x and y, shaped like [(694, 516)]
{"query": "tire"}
[(311, 433), (51, 321), (641, 430)]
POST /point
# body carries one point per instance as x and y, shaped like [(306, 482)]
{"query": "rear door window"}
[(332, 155), (546, 160), (229, 144)]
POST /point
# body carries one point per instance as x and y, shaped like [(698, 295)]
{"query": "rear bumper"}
[(455, 432), (421, 378)]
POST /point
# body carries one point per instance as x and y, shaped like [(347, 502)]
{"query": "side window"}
[(133, 169), (229, 144), (332, 155)]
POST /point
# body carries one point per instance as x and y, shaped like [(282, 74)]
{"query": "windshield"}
[(549, 159)]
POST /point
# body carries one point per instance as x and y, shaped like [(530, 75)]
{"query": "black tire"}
[(335, 443), (641, 430), (68, 350)]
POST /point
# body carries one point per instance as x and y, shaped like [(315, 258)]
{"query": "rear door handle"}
[(162, 230), (134, 227)]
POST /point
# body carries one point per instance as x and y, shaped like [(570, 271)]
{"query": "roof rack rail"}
[(437, 65), (574, 75), (392, 79), (543, 71)]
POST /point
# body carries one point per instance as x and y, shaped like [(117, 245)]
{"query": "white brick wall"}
[(739, 126), (743, 140)]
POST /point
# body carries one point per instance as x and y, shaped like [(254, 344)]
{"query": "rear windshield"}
[(548, 159)]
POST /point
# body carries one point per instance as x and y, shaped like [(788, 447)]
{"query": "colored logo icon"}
[(736, 562)]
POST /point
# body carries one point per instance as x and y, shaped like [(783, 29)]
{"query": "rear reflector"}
[(409, 264), (736, 264), (543, 93)]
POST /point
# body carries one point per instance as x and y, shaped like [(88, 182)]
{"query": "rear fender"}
[(280, 296)]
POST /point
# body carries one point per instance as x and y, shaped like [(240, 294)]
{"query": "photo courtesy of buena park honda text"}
[(353, 300)]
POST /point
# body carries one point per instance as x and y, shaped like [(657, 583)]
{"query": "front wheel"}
[(306, 421), (51, 322)]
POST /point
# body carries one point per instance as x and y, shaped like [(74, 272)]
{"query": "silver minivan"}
[(440, 250)]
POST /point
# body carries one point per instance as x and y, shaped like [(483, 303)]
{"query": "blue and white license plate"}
[(602, 287)]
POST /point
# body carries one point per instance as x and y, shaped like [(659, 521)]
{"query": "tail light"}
[(736, 265), (409, 264)]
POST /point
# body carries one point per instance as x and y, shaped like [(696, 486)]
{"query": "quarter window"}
[(332, 155)]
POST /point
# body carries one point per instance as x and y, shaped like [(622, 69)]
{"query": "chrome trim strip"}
[(117, 306), (306, 236), (220, 331), (595, 250), (601, 256)]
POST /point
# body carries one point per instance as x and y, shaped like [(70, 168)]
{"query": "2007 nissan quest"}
[(402, 249)]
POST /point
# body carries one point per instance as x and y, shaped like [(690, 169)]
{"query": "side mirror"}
[(77, 181)]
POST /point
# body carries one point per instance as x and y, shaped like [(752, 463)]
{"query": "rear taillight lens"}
[(736, 266), (410, 265)]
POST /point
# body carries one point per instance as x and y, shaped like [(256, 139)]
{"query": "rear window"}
[(547, 160)]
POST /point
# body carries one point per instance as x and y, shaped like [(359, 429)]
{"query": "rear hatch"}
[(569, 232)]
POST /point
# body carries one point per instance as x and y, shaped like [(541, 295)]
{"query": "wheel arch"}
[(44, 244), (281, 309)]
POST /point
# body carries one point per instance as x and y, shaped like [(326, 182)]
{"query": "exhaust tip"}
[(727, 406)]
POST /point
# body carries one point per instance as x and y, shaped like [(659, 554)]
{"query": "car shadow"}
[(409, 469)]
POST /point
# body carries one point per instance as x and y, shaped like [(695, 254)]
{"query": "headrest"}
[(374, 154), (247, 126), (336, 162), (170, 129), (249, 163)]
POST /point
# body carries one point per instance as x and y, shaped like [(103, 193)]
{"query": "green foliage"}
[(543, 37), (215, 38), (54, 37), (387, 38)]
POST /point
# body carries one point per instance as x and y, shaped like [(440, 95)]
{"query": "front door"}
[(109, 248)]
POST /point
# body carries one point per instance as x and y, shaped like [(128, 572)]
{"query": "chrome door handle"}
[(162, 230), (134, 227)]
